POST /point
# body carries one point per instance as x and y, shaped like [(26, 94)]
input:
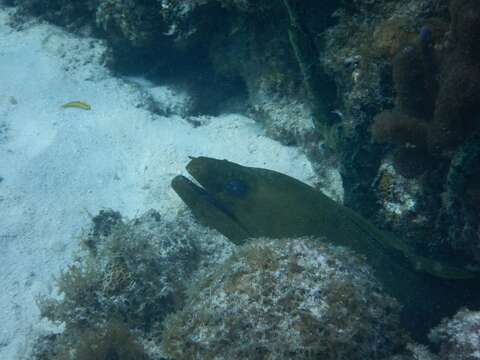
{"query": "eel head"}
[(243, 202)]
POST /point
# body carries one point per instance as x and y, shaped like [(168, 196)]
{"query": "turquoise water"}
[(343, 226)]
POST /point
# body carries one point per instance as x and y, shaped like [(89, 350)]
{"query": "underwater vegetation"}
[(286, 299), (273, 298), (112, 340), (119, 290)]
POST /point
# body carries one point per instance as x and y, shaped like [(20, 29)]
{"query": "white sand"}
[(58, 165)]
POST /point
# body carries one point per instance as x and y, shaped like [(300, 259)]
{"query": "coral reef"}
[(131, 277), (410, 158), (356, 53), (449, 103), (413, 69), (398, 196), (112, 341), (394, 128), (414, 73), (415, 88), (278, 299), (409, 68), (434, 126)]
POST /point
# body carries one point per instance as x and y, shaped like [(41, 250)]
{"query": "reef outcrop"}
[(433, 127), (279, 299), (129, 276)]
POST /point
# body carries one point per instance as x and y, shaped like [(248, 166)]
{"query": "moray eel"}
[(244, 202), (77, 104)]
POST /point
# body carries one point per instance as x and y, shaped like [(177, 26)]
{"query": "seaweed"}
[(123, 289), (315, 79)]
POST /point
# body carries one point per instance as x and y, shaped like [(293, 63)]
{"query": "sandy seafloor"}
[(60, 166)]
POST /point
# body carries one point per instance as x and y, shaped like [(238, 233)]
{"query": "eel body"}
[(244, 202), (276, 205)]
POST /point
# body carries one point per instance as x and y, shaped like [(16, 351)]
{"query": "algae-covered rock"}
[(139, 23), (458, 337), (130, 278), (415, 352), (133, 273), (285, 299), (74, 15)]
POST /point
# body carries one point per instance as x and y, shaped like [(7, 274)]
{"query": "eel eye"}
[(236, 188)]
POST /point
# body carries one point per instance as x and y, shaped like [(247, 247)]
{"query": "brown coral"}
[(457, 106), (395, 128), (415, 86), (411, 158)]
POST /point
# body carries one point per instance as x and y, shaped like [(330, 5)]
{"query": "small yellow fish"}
[(77, 104)]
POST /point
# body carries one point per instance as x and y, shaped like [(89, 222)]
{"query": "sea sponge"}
[(410, 158), (285, 299), (446, 102), (414, 81), (457, 106), (395, 128)]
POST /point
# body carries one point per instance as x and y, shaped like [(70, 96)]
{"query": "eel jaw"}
[(208, 210)]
